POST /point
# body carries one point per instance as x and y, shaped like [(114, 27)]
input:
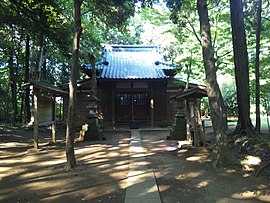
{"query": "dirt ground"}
[(183, 175), (187, 175)]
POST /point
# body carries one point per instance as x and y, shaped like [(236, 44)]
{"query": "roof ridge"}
[(131, 45), (132, 48)]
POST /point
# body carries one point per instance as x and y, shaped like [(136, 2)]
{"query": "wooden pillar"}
[(53, 132), (54, 121), (60, 109), (199, 121), (113, 106), (152, 112), (152, 106), (35, 110), (195, 124), (188, 121), (198, 128)]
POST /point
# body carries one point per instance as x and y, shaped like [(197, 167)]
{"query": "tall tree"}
[(71, 160), (12, 60), (257, 64), (218, 113), (12, 79), (244, 125), (26, 79)]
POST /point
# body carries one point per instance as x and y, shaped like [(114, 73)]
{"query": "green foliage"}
[(184, 15), (130, 34), (228, 91), (4, 94), (205, 107), (265, 96), (250, 22), (113, 13)]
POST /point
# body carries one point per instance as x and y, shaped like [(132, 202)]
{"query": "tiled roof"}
[(45, 87), (132, 62)]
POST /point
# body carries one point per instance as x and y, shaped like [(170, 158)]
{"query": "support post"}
[(113, 106), (151, 109), (54, 121), (152, 112), (197, 109), (194, 121), (53, 132), (198, 128), (35, 110), (188, 121)]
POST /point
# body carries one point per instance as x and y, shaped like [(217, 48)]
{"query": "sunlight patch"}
[(189, 175), (3, 171), (230, 171), (98, 161), (194, 158), (53, 162), (163, 188), (114, 148), (246, 195), (249, 162), (203, 184)]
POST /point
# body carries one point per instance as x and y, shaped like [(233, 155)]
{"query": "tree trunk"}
[(267, 115), (43, 72), (13, 87), (244, 125), (94, 75), (39, 56), (19, 82), (70, 133), (26, 79), (257, 65), (22, 107), (218, 113)]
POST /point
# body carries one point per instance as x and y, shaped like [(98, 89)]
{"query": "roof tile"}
[(132, 62)]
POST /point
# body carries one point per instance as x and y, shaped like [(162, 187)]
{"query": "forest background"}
[(36, 43)]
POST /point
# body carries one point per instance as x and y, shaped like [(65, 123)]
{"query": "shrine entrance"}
[(132, 106)]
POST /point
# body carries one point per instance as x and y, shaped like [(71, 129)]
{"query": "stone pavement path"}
[(141, 182)]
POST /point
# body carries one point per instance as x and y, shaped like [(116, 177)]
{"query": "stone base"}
[(94, 132), (179, 131)]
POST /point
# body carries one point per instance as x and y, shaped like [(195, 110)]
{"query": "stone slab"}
[(141, 182)]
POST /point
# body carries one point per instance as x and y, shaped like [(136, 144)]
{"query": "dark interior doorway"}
[(132, 106)]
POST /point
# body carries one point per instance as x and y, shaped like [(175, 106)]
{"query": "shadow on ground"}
[(183, 175)]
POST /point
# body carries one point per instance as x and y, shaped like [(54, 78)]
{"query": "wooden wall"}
[(164, 110), (160, 103), (45, 110)]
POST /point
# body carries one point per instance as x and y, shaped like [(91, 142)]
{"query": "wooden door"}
[(132, 106)]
